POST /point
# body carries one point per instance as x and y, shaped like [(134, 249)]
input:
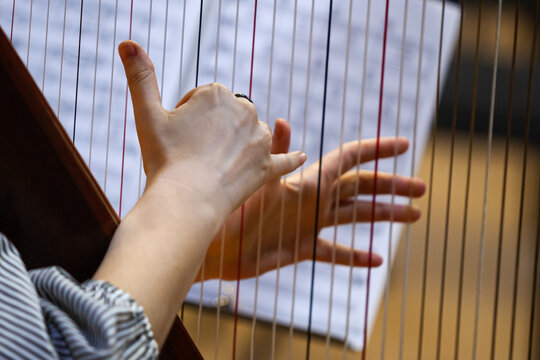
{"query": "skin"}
[(203, 160)]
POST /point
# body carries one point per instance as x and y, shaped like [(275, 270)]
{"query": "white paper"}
[(179, 77)]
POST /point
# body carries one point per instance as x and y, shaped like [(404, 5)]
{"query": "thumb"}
[(141, 79), (283, 164)]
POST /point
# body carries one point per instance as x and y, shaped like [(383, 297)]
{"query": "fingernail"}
[(302, 157), (127, 50)]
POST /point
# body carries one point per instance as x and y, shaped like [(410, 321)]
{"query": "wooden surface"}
[(263, 336)]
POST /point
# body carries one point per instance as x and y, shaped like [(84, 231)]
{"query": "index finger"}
[(355, 152)]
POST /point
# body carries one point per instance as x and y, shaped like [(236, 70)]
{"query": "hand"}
[(275, 224), (212, 143)]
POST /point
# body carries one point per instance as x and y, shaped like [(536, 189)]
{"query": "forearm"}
[(158, 248)]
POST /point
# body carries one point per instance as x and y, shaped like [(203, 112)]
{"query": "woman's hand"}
[(203, 159), (212, 142), (265, 220)]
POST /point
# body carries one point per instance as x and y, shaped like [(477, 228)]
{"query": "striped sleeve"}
[(92, 320)]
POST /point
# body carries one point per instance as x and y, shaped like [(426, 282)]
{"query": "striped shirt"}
[(46, 314)]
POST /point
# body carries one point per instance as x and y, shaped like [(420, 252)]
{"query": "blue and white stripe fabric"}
[(46, 314)]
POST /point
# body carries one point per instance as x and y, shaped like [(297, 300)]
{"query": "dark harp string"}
[(12, 21), (527, 122), (430, 194), (198, 46), (393, 192), (77, 78), (468, 182), (196, 84), (375, 178), (504, 185), (338, 180), (241, 235), (317, 206), (125, 124), (450, 178)]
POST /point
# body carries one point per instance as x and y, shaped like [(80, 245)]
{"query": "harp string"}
[(356, 181), (94, 85), (196, 84), (139, 185), (522, 196), (375, 178), (488, 161), (199, 312), (125, 126), (282, 203), (505, 180), (289, 104), (393, 191), (222, 250), (303, 146), (430, 193), (110, 98), (468, 182), (451, 168), (451, 165), (45, 47), (241, 235), (29, 32), (317, 206), (77, 72), (412, 173), (61, 61), (12, 21), (338, 177), (450, 178)]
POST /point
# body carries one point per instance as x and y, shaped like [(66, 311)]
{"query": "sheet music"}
[(106, 164)]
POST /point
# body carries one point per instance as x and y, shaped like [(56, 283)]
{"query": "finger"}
[(341, 255), (354, 153), (141, 79), (355, 182), (383, 212), (281, 138), (282, 164)]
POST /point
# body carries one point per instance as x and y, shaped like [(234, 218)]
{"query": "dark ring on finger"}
[(238, 95)]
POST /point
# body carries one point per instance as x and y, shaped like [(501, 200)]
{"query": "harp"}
[(459, 283)]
